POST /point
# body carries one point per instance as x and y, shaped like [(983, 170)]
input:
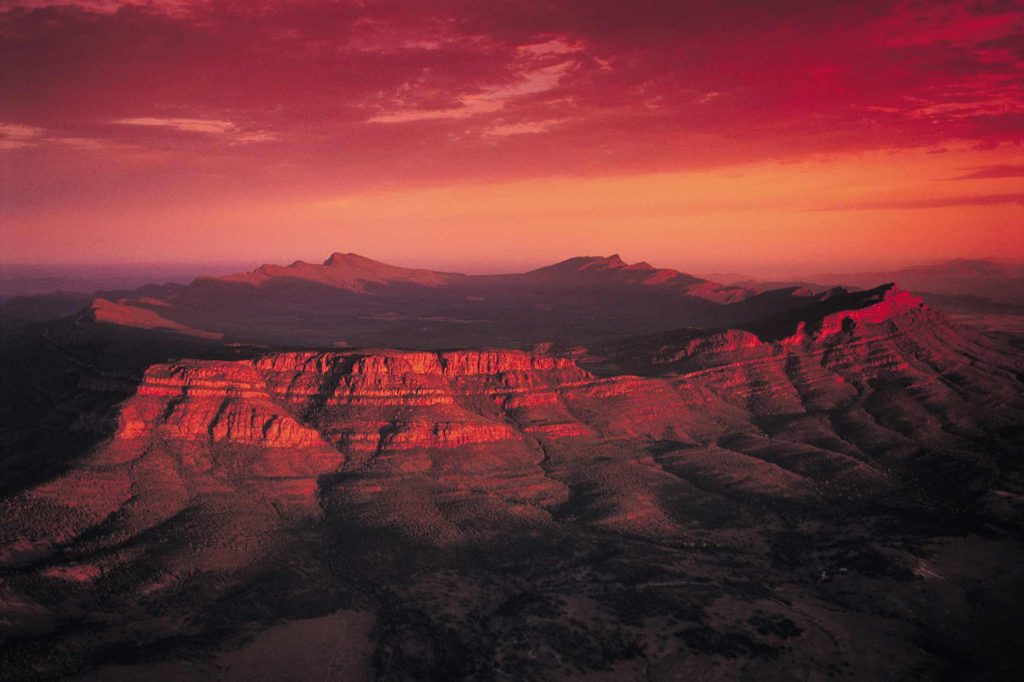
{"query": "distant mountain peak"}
[(612, 270), (590, 263), (338, 258), (593, 263)]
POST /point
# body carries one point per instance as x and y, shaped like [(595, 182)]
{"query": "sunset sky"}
[(760, 137)]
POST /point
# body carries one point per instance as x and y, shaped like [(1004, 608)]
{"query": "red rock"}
[(211, 401), (421, 435)]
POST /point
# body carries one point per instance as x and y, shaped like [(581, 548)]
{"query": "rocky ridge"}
[(852, 402), (353, 301), (754, 454)]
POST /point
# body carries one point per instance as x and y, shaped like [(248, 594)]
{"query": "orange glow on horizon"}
[(872, 210), (475, 138)]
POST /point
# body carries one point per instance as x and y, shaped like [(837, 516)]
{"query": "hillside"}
[(788, 496)]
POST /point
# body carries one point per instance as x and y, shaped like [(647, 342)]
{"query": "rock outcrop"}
[(604, 496), (214, 402), (658, 431)]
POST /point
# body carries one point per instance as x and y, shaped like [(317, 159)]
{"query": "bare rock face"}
[(194, 432), (895, 306), (660, 433), (216, 402), (692, 474), (406, 400), (513, 428)]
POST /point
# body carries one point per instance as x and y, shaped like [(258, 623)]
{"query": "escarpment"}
[(382, 401), (812, 456), (852, 398), (218, 402)]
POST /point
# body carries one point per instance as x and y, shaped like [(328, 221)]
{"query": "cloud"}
[(493, 98), (98, 6), (14, 136), (453, 89), (190, 125), (257, 136), (203, 126), (17, 136), (523, 128), (937, 202), (990, 172)]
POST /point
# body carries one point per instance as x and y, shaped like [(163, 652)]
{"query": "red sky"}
[(765, 137)]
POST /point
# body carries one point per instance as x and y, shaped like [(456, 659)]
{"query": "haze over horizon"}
[(185, 270), (709, 137)]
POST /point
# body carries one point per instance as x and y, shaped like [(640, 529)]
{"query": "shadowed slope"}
[(354, 301), (686, 475), (867, 391)]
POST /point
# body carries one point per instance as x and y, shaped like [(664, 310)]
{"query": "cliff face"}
[(407, 400), (387, 401), (785, 486), (216, 402), (440, 444)]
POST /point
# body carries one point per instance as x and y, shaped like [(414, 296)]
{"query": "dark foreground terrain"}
[(830, 489)]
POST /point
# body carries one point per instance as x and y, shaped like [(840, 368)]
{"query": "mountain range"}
[(354, 301), (350, 300), (350, 470)]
